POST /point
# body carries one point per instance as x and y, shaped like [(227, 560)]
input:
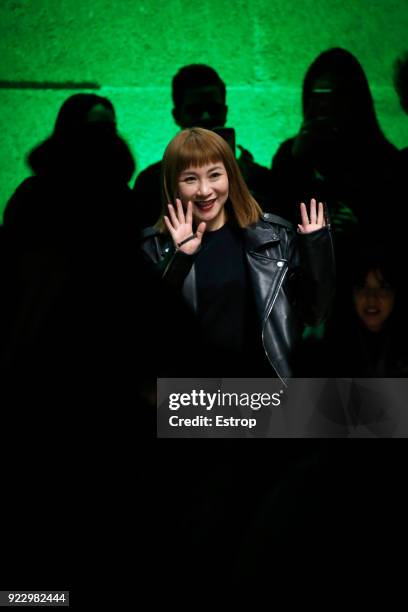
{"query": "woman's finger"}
[(313, 215), (303, 214), (189, 217), (200, 230), (320, 215), (180, 211), (173, 217), (168, 225)]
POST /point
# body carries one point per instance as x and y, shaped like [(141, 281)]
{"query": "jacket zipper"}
[(267, 317)]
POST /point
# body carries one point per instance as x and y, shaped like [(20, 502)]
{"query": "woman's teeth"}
[(205, 204)]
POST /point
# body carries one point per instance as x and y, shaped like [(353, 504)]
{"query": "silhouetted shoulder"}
[(22, 204), (30, 186), (284, 151), (147, 194), (151, 173)]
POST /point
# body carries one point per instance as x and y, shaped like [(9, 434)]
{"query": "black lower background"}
[(257, 518), (110, 513), (92, 502)]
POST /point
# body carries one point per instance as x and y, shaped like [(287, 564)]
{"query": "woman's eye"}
[(189, 179), (215, 175)]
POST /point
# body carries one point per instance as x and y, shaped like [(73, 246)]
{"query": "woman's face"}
[(374, 301), (207, 188)]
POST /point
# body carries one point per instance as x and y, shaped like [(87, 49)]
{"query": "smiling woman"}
[(374, 300), (249, 277), (368, 338)]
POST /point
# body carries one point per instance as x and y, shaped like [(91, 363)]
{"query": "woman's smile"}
[(205, 205)]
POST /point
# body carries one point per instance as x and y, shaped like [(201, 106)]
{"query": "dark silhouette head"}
[(336, 87), (401, 80), (340, 128), (84, 143), (82, 109), (199, 96)]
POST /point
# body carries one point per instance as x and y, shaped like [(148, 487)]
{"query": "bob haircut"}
[(197, 147)]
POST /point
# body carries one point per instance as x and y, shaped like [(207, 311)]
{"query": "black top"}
[(229, 327)]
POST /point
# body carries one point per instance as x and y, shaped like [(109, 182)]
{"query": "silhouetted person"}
[(66, 326), (82, 160), (199, 98), (70, 237), (369, 337), (341, 155)]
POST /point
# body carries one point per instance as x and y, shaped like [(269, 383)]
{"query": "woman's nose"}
[(204, 188), (372, 296)]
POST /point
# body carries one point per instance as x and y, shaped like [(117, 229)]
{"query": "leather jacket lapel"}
[(258, 237), (266, 266)]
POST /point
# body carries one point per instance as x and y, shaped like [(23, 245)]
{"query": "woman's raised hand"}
[(312, 222), (180, 228)]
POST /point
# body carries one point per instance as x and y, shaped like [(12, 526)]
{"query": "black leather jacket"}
[(292, 276)]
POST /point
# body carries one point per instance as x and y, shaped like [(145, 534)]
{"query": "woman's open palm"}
[(180, 227), (312, 222)]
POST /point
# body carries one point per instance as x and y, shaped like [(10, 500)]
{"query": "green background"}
[(261, 48)]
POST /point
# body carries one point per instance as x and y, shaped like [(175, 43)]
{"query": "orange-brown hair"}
[(197, 147)]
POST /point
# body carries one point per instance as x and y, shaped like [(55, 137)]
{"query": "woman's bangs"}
[(195, 153)]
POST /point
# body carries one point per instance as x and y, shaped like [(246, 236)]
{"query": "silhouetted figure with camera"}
[(342, 157), (340, 153)]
